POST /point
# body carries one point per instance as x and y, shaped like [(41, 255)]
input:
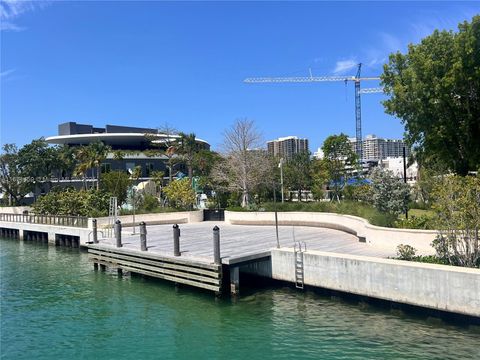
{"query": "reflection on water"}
[(53, 305)]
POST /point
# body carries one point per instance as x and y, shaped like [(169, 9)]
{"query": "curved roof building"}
[(118, 137), (132, 140)]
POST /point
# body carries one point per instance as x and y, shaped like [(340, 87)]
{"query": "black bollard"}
[(118, 233), (94, 231), (216, 246), (176, 240), (143, 236)]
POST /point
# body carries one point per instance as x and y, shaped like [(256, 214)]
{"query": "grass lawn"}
[(419, 212)]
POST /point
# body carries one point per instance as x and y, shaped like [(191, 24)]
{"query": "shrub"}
[(180, 194), (457, 207), (389, 193), (406, 252), (415, 222), (91, 203), (117, 184), (150, 202)]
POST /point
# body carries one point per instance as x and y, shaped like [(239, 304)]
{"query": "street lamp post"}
[(276, 216), (280, 165)]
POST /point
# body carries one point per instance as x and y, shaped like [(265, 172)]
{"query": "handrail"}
[(61, 220)]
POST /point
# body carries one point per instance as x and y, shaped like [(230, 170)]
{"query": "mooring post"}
[(216, 245), (94, 231), (234, 280), (118, 233), (143, 236), (176, 240)]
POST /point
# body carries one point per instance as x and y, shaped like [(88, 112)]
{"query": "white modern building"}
[(395, 165), (375, 148), (286, 147)]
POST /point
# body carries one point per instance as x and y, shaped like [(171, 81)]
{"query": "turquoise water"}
[(54, 306)]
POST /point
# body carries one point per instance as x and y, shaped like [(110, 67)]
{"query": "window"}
[(105, 168), (148, 169)]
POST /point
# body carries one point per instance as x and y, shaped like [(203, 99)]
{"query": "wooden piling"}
[(118, 233), (216, 246), (143, 236), (94, 231), (176, 240)]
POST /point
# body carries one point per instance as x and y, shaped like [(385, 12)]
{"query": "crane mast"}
[(358, 115)]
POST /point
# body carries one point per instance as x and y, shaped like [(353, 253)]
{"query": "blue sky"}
[(182, 63)]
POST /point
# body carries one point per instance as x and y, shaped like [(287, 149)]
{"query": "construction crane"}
[(356, 79)]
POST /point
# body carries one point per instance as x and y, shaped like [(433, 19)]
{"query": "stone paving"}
[(236, 241)]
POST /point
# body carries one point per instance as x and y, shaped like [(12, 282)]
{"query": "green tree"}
[(66, 162), (13, 181), (90, 157), (457, 208), (298, 173), (99, 152), (187, 148), (339, 161), (180, 194), (389, 193), (116, 183), (435, 90)]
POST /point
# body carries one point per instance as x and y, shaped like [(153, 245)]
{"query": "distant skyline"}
[(183, 63)]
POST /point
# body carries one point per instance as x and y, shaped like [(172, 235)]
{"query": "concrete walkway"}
[(236, 241)]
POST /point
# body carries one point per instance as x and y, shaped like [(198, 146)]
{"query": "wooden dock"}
[(242, 248), (182, 271)]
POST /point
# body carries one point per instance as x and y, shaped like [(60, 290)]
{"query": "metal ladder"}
[(299, 248), (112, 217)]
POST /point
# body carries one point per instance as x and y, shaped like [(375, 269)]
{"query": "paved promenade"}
[(238, 241)]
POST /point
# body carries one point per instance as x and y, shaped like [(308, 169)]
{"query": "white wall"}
[(439, 287), (182, 217), (14, 209)]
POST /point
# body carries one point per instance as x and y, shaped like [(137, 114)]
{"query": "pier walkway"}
[(240, 241)]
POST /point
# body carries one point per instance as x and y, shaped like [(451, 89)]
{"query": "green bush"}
[(415, 222), (150, 202), (117, 184), (180, 194), (91, 203), (406, 252)]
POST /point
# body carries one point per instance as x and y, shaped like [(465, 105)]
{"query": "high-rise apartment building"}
[(375, 148), (286, 147)]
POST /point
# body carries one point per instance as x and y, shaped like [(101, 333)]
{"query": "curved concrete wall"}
[(182, 217), (378, 236)]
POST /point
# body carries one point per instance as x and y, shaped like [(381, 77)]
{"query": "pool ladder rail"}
[(299, 248)]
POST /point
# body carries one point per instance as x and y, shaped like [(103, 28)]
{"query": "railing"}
[(74, 221)]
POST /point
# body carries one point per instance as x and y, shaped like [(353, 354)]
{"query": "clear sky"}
[(182, 63)]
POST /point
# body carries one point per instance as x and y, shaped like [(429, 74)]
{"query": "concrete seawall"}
[(439, 287), (382, 237)]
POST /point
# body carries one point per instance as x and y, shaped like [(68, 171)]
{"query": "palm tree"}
[(187, 148), (98, 152), (84, 163), (91, 157)]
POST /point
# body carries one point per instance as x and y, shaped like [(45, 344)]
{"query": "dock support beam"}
[(94, 231), (234, 280), (176, 240), (143, 236), (118, 233), (216, 246)]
